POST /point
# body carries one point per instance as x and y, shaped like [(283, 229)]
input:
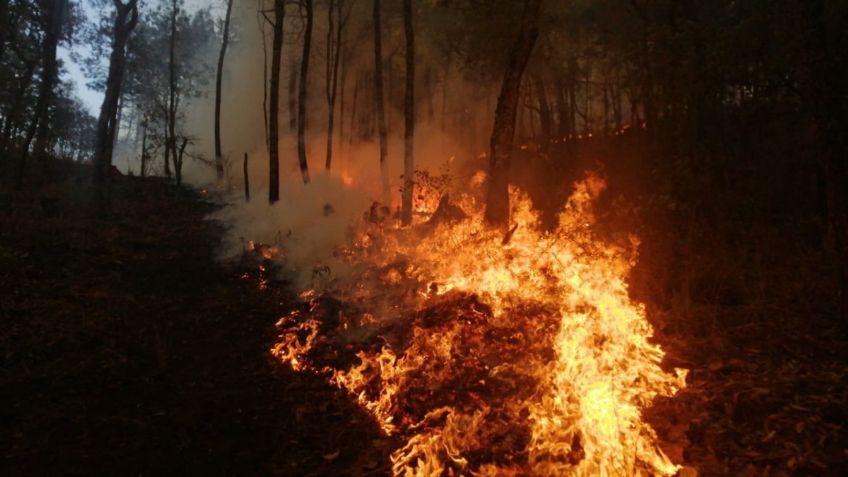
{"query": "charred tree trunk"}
[(409, 116), (54, 14), (301, 107), (107, 124), (219, 160), (274, 108), (380, 103), (497, 199)]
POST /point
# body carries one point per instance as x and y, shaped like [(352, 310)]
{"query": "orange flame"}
[(526, 355)]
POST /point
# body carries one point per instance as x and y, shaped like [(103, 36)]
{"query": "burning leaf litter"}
[(487, 356)]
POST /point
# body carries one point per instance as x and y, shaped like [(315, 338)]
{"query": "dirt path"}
[(126, 350)]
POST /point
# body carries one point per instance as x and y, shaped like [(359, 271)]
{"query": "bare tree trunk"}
[(143, 170), (544, 113), (274, 109), (445, 94), (246, 180), (378, 91), (293, 68), (107, 124), (409, 116), (178, 161), (219, 160), (264, 74), (38, 128), (167, 154), (333, 57), (431, 108), (171, 142), (353, 122), (342, 92), (301, 107), (497, 199)]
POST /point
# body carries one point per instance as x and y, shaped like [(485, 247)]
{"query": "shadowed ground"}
[(126, 350)]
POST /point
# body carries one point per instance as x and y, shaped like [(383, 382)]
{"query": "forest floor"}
[(127, 349)]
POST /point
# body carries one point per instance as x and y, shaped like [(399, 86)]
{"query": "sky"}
[(92, 99)]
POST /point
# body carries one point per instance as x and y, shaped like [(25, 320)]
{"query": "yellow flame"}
[(567, 330)]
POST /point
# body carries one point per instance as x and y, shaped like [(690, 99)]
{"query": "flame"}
[(490, 355)]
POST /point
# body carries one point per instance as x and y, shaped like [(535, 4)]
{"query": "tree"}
[(274, 107), (497, 198), (378, 91), (126, 18), (301, 107), (219, 160), (19, 61), (171, 119), (51, 21), (409, 116), (160, 88), (336, 25)]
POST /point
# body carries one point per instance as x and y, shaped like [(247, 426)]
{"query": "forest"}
[(424, 237)]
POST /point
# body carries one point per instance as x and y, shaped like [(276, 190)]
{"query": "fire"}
[(493, 355)]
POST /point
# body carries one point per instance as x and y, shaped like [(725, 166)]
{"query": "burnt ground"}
[(128, 350)]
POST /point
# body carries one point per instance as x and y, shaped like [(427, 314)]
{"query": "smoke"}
[(310, 222), (307, 225)]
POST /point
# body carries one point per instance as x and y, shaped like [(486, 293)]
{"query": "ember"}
[(488, 356)]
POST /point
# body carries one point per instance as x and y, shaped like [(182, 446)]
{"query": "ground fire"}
[(492, 355)]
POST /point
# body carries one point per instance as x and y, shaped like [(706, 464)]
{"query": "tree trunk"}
[(167, 154), (274, 108), (293, 69), (380, 105), (171, 142), (178, 161), (353, 123), (13, 117), (544, 113), (344, 67), (107, 124), (219, 160), (246, 180), (409, 116), (38, 128), (301, 107), (497, 199), (333, 57), (4, 26), (143, 170), (824, 81), (265, 81)]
